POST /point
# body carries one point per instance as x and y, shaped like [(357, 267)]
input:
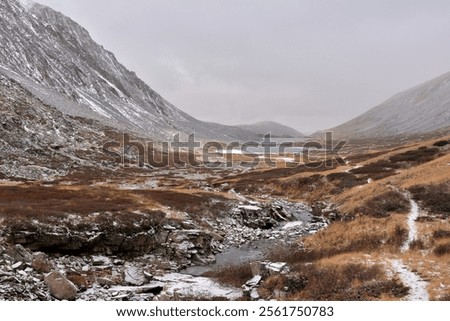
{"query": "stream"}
[(284, 233)]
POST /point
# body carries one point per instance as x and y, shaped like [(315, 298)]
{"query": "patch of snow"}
[(277, 267), (292, 225), (26, 3), (182, 285), (250, 207), (287, 159), (149, 184), (233, 151)]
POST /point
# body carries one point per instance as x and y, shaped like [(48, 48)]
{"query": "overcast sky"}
[(310, 64)]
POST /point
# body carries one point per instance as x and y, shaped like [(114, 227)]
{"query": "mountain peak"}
[(420, 109), (56, 59)]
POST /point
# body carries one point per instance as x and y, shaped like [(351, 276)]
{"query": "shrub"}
[(419, 156), (440, 234), (234, 275), (417, 245), (436, 198), (441, 143), (385, 204), (442, 249), (377, 170), (399, 237), (344, 181)]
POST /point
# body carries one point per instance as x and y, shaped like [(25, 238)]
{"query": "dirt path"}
[(412, 228), (418, 287)]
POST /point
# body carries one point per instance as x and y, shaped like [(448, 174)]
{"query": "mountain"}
[(38, 142), (57, 61), (423, 108), (277, 129)]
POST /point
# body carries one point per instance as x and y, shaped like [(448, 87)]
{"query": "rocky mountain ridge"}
[(56, 59), (276, 129)]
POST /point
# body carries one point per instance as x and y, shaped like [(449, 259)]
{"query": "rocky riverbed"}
[(27, 273)]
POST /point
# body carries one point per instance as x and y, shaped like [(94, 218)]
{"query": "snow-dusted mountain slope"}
[(276, 129), (57, 60), (421, 109), (38, 142)]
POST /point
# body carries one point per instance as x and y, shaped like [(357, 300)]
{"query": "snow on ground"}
[(292, 225), (250, 207), (183, 285), (418, 287), (412, 234)]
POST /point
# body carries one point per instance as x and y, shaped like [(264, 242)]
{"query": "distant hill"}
[(423, 108), (277, 129)]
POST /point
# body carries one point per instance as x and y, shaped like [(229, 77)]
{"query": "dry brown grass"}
[(36, 201), (233, 275), (445, 297), (342, 282), (362, 234), (417, 164), (338, 242), (431, 268)]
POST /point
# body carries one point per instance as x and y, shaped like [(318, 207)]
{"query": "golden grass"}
[(371, 233)]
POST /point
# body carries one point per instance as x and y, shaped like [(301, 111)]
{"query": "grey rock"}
[(254, 281), (275, 268), (41, 263), (254, 295), (60, 287), (135, 276), (104, 281), (19, 253)]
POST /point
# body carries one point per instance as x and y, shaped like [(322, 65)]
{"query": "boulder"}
[(60, 287), (275, 268), (135, 276), (41, 263), (254, 281), (19, 253)]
